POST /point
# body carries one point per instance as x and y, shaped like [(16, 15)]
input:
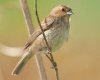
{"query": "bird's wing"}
[(46, 24)]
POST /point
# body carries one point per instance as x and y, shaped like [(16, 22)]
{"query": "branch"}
[(28, 20), (27, 16), (49, 49)]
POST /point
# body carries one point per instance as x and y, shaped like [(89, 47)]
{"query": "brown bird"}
[(56, 28)]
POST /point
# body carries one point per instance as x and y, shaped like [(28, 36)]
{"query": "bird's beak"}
[(69, 12)]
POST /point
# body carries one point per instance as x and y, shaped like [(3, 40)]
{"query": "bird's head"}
[(61, 11)]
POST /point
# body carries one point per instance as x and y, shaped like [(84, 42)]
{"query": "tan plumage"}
[(56, 28)]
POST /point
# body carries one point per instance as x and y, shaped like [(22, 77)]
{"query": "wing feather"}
[(46, 24)]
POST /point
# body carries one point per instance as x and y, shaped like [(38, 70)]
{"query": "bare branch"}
[(54, 65), (27, 16), (28, 20), (42, 73), (41, 26)]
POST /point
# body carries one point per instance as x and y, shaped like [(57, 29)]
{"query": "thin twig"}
[(54, 66), (36, 12), (49, 49), (39, 61)]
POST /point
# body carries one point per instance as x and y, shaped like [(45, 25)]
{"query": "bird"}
[(56, 28)]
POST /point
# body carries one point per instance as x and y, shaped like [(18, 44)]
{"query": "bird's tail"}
[(25, 58)]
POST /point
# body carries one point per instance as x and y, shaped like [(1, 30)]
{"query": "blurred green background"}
[(78, 59)]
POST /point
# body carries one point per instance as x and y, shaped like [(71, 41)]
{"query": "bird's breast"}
[(56, 36)]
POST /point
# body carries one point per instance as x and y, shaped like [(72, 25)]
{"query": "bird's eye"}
[(63, 10)]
